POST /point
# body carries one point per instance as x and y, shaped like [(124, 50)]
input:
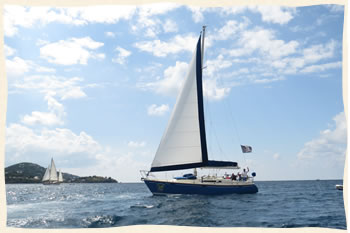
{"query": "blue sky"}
[(94, 87)]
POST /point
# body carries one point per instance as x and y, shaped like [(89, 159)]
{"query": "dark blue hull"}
[(160, 187)]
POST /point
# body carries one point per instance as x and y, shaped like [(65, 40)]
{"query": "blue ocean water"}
[(284, 204)]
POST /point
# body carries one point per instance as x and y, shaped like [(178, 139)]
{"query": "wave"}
[(142, 206), (102, 221)]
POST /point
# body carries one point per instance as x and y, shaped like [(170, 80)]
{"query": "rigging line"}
[(228, 106), (207, 103), (213, 132)]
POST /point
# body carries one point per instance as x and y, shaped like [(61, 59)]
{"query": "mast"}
[(202, 49), (200, 96)]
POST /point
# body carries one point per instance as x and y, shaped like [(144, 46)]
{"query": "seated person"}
[(233, 176)]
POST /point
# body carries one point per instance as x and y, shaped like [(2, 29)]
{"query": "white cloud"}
[(320, 51), (275, 14), (171, 82), (197, 13), (122, 54), (268, 80), (50, 85), (265, 42), (110, 34), (151, 25), (155, 110), (53, 117), (322, 67), (42, 69), (335, 8), (136, 144), (41, 42), (101, 14), (233, 10), (229, 30), (271, 14), (74, 92), (175, 45), (330, 144), (43, 118), (22, 140), (216, 65), (18, 16), (275, 58), (170, 26), (156, 9), (124, 166), (174, 76), (17, 66), (71, 51), (9, 51), (78, 154), (276, 156), (309, 55), (212, 91), (52, 88)]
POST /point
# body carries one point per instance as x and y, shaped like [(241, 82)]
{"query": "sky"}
[(94, 87)]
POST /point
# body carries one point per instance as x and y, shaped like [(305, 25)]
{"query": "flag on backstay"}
[(246, 149)]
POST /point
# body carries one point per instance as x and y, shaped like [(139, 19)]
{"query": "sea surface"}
[(284, 204)]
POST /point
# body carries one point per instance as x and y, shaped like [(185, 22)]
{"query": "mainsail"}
[(53, 171), (183, 144)]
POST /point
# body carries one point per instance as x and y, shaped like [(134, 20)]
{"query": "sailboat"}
[(50, 176), (184, 145)]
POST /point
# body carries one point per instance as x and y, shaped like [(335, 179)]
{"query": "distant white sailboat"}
[(50, 176)]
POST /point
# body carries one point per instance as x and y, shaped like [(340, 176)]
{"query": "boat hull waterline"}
[(168, 187)]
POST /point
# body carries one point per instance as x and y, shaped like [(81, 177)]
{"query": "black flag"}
[(246, 149)]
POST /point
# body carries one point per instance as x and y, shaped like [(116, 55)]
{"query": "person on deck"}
[(245, 174), (238, 176), (233, 176)]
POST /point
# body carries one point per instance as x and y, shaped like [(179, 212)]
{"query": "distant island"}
[(33, 173)]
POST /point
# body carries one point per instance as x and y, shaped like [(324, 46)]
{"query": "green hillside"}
[(33, 173), (29, 173)]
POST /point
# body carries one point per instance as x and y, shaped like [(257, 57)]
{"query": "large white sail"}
[(47, 174), (60, 177), (182, 142), (53, 171)]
